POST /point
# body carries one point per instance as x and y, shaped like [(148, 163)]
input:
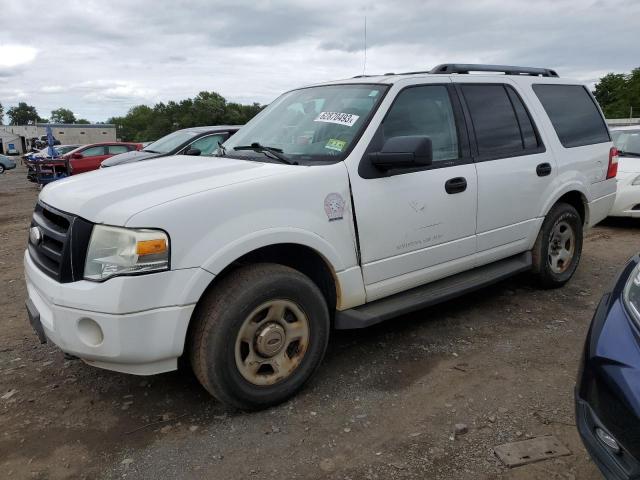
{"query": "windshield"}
[(170, 142), (311, 124), (627, 141)]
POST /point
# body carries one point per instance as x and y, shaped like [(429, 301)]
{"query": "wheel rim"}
[(562, 246), (272, 342)]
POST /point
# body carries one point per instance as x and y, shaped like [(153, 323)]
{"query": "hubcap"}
[(272, 342), (561, 247)]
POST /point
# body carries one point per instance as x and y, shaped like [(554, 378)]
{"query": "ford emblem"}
[(35, 235)]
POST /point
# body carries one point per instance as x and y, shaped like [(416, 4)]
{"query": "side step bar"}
[(431, 293)]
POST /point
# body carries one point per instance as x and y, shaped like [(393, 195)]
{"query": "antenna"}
[(364, 66)]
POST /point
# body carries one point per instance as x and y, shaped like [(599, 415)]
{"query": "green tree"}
[(144, 123), (62, 115), (1, 114), (617, 93), (82, 121), (22, 114)]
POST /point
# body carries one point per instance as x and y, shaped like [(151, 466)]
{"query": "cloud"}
[(14, 57), (101, 58)]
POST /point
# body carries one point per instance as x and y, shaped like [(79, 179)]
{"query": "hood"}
[(113, 195), (128, 157)]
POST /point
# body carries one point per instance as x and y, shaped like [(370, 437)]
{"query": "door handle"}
[(543, 169), (455, 185)]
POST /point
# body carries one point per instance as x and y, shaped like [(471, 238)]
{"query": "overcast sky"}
[(99, 58)]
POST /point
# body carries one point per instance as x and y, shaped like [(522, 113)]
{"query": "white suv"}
[(339, 206)]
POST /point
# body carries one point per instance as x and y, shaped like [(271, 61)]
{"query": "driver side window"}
[(425, 110), (207, 145)]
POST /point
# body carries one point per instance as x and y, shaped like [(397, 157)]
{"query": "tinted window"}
[(494, 120), (93, 151), (425, 111), (116, 149), (573, 113)]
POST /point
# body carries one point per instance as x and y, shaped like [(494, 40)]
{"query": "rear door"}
[(515, 170)]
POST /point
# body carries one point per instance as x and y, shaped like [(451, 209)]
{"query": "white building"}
[(21, 135)]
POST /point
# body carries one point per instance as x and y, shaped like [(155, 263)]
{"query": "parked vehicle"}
[(190, 141), (340, 205), (6, 163), (627, 141), (58, 151), (608, 388), (89, 157)]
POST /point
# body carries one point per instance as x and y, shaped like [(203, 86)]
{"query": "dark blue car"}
[(608, 387)]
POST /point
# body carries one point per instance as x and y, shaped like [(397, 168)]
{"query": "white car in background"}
[(627, 141)]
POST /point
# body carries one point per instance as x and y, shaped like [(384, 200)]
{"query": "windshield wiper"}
[(150, 151), (629, 154), (275, 152)]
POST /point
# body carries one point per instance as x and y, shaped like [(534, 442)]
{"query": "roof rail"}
[(506, 69)]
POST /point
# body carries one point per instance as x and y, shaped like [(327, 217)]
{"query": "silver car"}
[(6, 163)]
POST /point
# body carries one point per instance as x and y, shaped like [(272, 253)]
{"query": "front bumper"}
[(607, 394), (134, 324)]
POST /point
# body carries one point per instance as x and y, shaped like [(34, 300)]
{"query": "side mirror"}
[(76, 156), (193, 151), (404, 152)]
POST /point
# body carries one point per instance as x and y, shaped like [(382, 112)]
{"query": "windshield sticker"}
[(346, 119), (334, 206), (337, 145)]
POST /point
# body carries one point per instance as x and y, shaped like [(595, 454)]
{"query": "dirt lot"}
[(384, 404)]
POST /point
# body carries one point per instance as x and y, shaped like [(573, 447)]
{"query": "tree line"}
[(144, 123), (619, 94)]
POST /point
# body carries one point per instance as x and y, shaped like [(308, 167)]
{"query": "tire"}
[(558, 248), (241, 322), (1, 169)]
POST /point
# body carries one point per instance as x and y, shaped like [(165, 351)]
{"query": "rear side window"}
[(116, 149), (500, 121), (573, 113)]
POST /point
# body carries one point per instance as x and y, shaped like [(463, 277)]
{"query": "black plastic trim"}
[(465, 68), (431, 293)]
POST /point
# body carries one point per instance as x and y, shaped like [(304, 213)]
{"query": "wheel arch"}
[(575, 197)]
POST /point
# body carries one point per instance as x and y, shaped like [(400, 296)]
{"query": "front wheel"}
[(558, 248), (259, 335), (1, 169)]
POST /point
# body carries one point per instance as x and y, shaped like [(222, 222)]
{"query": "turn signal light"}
[(612, 171), (151, 247)]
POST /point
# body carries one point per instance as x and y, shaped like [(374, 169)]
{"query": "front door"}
[(417, 225)]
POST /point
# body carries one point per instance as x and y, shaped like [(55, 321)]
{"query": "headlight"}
[(636, 181), (122, 251), (632, 293)]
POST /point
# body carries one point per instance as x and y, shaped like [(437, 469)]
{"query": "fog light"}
[(608, 440), (90, 332)]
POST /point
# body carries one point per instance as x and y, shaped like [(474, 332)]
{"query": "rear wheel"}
[(1, 169), (259, 335), (558, 248)]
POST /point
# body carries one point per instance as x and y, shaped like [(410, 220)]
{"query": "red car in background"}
[(89, 157)]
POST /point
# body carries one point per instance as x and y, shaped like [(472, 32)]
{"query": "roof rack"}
[(506, 69)]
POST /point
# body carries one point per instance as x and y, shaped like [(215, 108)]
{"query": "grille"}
[(61, 249)]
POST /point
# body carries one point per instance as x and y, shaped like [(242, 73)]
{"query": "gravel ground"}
[(383, 406)]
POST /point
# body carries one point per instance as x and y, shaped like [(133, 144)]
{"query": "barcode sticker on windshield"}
[(347, 119)]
